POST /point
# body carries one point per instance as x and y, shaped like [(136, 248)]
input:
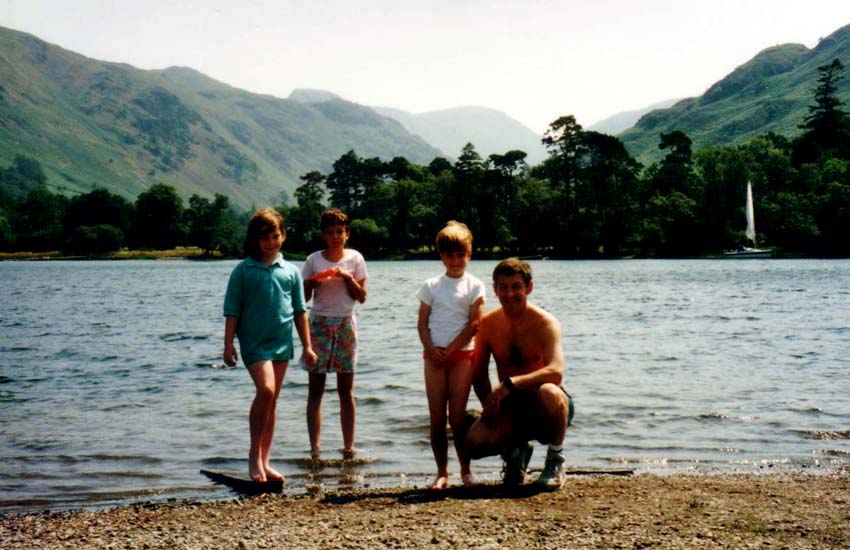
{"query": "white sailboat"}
[(746, 251)]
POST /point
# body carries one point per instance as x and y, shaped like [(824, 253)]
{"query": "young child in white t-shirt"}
[(450, 309), (335, 279)]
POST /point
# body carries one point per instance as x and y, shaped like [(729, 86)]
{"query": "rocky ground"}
[(680, 511)]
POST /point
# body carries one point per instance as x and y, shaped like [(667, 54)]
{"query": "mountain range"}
[(97, 124), (92, 123), (449, 130), (769, 93)]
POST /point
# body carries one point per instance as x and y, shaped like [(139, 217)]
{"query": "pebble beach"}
[(776, 510)]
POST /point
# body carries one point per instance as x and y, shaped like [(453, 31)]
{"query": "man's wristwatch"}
[(508, 384)]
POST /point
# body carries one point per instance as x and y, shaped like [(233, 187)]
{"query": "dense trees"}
[(588, 199)]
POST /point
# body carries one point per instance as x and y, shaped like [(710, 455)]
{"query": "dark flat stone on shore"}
[(242, 484)]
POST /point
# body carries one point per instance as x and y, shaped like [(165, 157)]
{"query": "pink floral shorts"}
[(335, 342)]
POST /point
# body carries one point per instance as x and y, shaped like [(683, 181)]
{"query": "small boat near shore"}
[(746, 252)]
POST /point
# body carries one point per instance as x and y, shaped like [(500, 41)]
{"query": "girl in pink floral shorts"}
[(335, 280)]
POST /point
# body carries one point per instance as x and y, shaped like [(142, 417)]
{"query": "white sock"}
[(556, 449)]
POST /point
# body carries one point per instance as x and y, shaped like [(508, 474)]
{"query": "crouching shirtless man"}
[(529, 402)]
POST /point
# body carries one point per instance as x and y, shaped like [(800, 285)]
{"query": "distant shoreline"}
[(194, 253)]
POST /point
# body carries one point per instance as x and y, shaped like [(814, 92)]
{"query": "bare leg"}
[(279, 374), (488, 436), (262, 373), (459, 382), (347, 412), (314, 411), (436, 388), (554, 408)]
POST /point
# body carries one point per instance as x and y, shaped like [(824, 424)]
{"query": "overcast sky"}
[(534, 60)]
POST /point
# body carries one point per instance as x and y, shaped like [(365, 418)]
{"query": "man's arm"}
[(481, 363)]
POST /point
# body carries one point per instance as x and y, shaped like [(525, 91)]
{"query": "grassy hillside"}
[(769, 93), (97, 124)]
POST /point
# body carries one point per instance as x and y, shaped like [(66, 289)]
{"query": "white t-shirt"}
[(331, 298), (450, 300)]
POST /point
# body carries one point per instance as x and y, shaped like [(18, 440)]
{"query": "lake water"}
[(112, 389)]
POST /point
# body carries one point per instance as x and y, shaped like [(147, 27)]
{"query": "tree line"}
[(588, 199)]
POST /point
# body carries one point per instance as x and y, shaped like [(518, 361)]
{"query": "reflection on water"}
[(112, 388)]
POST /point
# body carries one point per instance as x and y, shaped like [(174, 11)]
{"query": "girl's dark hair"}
[(262, 222), (334, 216)]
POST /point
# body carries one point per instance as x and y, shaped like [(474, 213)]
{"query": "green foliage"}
[(21, 177), (164, 125), (98, 207), (238, 167), (157, 222), (368, 237), (38, 221), (212, 225), (303, 220), (827, 127), (98, 239)]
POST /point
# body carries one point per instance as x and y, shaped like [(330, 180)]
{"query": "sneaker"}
[(553, 471), (516, 463)]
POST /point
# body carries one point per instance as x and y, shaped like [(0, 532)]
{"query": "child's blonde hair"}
[(454, 237), (262, 222)]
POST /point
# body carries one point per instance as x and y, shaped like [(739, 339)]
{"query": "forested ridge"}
[(588, 199)]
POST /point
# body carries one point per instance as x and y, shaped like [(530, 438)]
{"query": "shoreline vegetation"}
[(787, 510), (179, 253), (196, 253)]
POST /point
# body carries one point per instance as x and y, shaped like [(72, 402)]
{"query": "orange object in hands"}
[(324, 275)]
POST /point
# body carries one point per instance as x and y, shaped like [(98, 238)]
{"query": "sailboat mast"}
[(751, 219)]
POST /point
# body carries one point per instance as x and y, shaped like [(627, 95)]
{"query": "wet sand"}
[(778, 510)]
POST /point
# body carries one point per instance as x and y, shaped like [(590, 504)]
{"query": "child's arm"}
[(437, 355), (357, 289), (476, 311), (309, 286), (230, 355), (303, 329)]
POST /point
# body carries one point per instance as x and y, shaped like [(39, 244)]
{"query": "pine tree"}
[(827, 126)]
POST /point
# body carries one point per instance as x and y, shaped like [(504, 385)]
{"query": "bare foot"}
[(315, 454), (440, 482), (348, 454), (469, 480), (272, 474), (256, 471)]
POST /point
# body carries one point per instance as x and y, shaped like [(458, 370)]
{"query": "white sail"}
[(751, 220)]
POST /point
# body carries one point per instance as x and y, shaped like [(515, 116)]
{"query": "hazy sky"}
[(534, 60)]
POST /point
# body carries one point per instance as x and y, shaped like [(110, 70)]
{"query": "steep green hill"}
[(769, 93), (92, 123)]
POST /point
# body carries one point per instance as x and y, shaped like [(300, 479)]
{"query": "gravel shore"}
[(678, 511)]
